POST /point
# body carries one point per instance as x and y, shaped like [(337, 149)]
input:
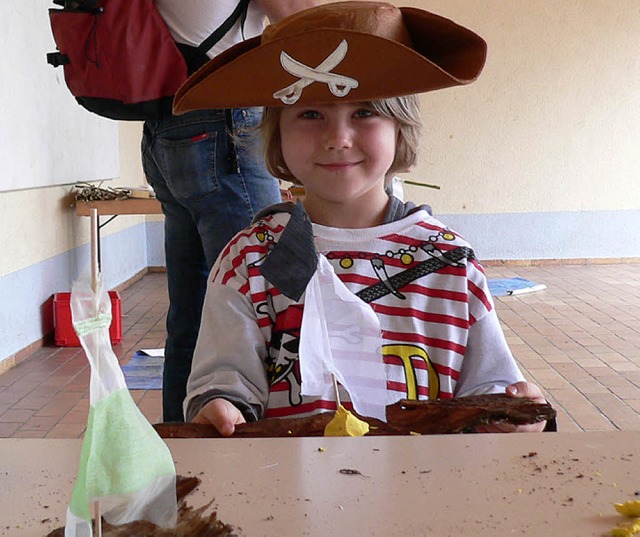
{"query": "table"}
[(131, 206), (116, 207), (149, 205), (113, 208), (548, 484)]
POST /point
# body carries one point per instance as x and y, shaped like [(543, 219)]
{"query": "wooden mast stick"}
[(94, 249), (97, 525), (335, 390)]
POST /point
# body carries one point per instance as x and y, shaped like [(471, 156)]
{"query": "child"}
[(345, 120)]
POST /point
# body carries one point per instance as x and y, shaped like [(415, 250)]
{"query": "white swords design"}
[(339, 85)]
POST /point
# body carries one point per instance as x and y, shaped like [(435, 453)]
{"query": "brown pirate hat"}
[(338, 52)]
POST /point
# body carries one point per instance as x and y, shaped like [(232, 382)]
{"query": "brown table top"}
[(549, 484), (126, 206), (147, 205)]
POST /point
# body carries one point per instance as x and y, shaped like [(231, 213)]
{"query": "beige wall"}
[(553, 122)]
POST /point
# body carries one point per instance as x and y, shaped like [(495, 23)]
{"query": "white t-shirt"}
[(192, 21)]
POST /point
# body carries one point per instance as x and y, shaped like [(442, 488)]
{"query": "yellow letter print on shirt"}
[(408, 353)]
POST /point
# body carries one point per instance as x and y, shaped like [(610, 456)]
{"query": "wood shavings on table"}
[(89, 192)]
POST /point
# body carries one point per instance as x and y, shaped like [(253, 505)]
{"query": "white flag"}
[(340, 335)]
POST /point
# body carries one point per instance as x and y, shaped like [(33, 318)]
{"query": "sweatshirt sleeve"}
[(488, 365), (228, 358)]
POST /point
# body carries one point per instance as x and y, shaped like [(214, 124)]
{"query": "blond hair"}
[(405, 110)]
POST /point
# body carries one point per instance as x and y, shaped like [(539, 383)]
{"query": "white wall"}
[(536, 160), (52, 140)]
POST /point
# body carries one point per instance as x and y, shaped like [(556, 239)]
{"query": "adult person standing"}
[(209, 182)]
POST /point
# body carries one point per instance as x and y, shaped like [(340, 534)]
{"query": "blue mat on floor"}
[(513, 286), (144, 372)]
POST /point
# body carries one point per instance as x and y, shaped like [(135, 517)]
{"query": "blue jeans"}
[(210, 188)]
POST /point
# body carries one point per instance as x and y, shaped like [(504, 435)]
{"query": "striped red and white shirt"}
[(441, 336)]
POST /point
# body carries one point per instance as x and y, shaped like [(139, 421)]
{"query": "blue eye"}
[(364, 113), (310, 114)]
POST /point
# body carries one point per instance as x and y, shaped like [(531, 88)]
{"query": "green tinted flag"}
[(124, 464)]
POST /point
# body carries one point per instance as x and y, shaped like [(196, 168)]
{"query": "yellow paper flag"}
[(344, 423)]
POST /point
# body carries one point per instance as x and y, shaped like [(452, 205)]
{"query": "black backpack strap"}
[(240, 11), (196, 57)]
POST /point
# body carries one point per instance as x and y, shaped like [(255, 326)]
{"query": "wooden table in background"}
[(116, 207), (149, 205), (534, 485), (141, 206)]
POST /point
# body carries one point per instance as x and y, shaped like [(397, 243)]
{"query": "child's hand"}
[(518, 389), (222, 414)]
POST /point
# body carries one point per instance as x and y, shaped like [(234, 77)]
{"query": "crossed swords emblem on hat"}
[(339, 85)]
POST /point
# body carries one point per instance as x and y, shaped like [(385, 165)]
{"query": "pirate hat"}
[(338, 52)]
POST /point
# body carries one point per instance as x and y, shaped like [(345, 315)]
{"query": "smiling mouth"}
[(338, 165)]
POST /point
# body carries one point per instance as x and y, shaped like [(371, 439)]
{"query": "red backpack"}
[(119, 58)]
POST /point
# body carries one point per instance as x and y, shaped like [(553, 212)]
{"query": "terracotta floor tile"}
[(556, 358), (78, 414), (67, 430), (621, 414), (588, 362), (42, 423), (32, 401), (593, 421), (590, 386), (550, 379), (60, 404), (566, 424), (16, 416), (9, 428), (624, 366)]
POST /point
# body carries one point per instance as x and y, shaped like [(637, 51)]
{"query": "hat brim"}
[(444, 54)]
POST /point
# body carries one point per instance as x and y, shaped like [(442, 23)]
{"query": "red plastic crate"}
[(65, 335)]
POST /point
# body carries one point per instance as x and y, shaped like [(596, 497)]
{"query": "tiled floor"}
[(579, 340), (46, 394)]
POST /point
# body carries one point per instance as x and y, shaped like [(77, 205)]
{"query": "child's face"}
[(339, 152)]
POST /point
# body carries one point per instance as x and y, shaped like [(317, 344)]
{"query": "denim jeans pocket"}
[(189, 165)]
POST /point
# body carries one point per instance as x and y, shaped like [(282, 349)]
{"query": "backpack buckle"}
[(57, 59)]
